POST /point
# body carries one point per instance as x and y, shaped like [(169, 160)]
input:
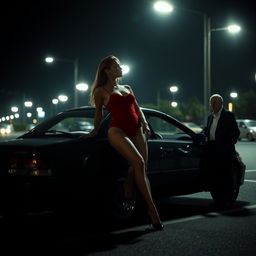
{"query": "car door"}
[(174, 158)]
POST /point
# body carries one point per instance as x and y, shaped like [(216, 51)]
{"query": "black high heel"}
[(155, 226)]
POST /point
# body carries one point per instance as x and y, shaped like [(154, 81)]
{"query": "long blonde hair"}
[(101, 77)]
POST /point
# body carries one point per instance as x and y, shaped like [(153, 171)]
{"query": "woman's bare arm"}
[(98, 99)]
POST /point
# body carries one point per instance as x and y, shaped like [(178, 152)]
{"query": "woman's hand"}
[(87, 135), (146, 130)]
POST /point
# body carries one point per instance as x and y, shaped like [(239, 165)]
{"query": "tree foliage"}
[(245, 105)]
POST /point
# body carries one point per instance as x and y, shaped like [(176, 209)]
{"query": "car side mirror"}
[(200, 139)]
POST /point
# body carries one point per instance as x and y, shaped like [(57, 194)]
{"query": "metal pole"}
[(158, 99), (207, 65), (75, 82), (209, 56), (205, 69)]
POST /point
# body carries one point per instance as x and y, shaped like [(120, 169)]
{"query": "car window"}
[(166, 130), (75, 124)]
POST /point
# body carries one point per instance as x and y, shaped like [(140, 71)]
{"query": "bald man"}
[(221, 129)]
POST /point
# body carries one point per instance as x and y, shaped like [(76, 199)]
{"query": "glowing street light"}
[(163, 7), (174, 104), (28, 104), (63, 98), (125, 69), (82, 87), (233, 95), (174, 89), (234, 28), (14, 109)]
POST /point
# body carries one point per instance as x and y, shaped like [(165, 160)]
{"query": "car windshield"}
[(251, 123), (71, 123)]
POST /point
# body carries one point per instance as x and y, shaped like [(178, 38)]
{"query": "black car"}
[(51, 165)]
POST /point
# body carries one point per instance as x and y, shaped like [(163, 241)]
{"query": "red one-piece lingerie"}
[(123, 113)]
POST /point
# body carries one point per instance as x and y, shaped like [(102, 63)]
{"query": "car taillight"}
[(28, 166)]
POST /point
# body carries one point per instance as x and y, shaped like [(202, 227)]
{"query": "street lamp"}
[(125, 69), (62, 98), (50, 59), (233, 96), (165, 7)]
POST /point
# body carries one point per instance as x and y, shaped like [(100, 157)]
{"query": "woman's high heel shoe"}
[(156, 224)]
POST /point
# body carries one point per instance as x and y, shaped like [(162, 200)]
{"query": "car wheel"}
[(250, 137), (121, 208), (226, 193)]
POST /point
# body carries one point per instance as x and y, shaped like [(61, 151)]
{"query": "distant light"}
[(174, 104), (28, 104), (29, 114), (125, 69), (49, 59), (3, 118), (234, 28), (14, 109), (39, 109), (41, 114), (233, 94), (174, 88), (34, 121), (163, 7), (63, 98), (7, 118), (230, 106), (55, 101), (16, 115), (12, 117), (83, 87)]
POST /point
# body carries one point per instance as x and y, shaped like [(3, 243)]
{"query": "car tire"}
[(227, 192), (119, 207), (250, 137)]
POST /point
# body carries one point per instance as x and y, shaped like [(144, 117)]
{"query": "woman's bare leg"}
[(119, 140), (141, 144)]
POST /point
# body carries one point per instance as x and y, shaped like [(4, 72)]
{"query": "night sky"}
[(161, 50)]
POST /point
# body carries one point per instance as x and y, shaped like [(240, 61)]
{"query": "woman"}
[(126, 130)]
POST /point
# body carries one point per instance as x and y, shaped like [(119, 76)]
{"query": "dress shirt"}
[(214, 124)]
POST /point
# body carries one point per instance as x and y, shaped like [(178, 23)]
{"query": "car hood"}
[(35, 142)]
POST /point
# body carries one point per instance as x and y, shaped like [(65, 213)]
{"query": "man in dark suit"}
[(221, 129), (222, 133)]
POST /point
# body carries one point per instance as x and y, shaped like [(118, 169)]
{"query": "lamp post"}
[(165, 7), (173, 90), (233, 96), (75, 63), (82, 87)]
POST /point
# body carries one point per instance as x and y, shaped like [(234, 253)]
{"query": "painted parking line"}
[(187, 219), (250, 171), (250, 180)]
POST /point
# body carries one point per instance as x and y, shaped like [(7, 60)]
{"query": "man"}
[(221, 130), (222, 133)]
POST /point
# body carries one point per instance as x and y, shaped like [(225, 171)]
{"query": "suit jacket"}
[(227, 131)]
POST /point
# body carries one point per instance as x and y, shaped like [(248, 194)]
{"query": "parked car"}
[(5, 129), (247, 129), (195, 127), (51, 164)]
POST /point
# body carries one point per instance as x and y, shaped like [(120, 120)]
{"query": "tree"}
[(186, 111), (245, 105)]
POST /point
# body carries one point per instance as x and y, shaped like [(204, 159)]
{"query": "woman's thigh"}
[(140, 143), (119, 140)]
